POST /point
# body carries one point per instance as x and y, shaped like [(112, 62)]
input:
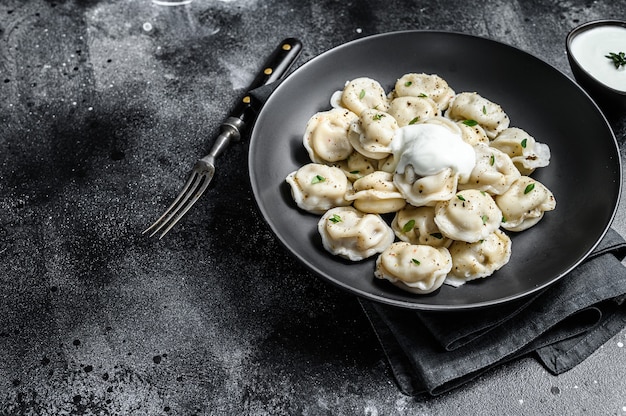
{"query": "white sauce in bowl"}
[(590, 48), (430, 148)]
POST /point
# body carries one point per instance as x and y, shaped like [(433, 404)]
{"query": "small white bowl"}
[(591, 71)]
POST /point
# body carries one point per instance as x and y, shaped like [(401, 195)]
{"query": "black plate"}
[(584, 173)]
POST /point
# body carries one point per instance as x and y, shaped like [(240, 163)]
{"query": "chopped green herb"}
[(484, 110), (460, 197), (378, 116), (485, 219), (483, 193), (438, 236), (415, 261), (415, 120), (524, 143), (422, 95), (318, 179), (529, 188), (492, 160), (470, 123), (503, 219), (408, 83), (408, 226), (355, 172), (619, 59), (361, 94), (335, 219)]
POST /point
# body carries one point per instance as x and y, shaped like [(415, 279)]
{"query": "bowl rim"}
[(583, 28)]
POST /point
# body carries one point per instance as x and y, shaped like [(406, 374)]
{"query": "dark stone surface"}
[(104, 106)]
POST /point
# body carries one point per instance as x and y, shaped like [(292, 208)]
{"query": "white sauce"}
[(590, 48), (430, 149)]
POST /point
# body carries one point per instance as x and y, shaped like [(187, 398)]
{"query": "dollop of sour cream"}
[(590, 48), (430, 148)]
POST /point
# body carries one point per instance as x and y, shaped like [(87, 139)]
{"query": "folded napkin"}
[(434, 352)]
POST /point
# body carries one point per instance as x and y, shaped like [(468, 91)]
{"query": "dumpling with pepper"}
[(526, 153), (416, 225), (425, 85), (326, 135), (493, 173), (376, 193), (372, 133), (415, 268), (317, 188), (524, 204), (410, 110), (478, 260), (352, 234), (472, 132), (362, 94), (472, 106), (470, 216), (426, 190), (356, 166)]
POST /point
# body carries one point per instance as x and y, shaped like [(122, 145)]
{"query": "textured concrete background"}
[(104, 105)]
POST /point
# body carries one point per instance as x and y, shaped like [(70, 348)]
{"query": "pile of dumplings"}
[(439, 228)]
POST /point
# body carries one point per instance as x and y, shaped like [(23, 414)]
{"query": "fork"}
[(244, 112)]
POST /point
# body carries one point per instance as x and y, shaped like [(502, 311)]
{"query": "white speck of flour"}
[(401, 404), (370, 410)]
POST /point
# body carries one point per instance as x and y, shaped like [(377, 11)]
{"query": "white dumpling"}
[(410, 110), (362, 94), (472, 133), (472, 106), (480, 259), (372, 133), (418, 269), (416, 225), (470, 216), (426, 190), (418, 85), (316, 187), (354, 235), (356, 166), (376, 193), (326, 135), (388, 164), (524, 150), (444, 122), (524, 204), (493, 173)]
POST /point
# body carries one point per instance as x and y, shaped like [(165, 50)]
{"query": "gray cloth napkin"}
[(434, 352)]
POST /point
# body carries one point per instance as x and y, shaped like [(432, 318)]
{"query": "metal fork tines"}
[(276, 66), (198, 181)]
